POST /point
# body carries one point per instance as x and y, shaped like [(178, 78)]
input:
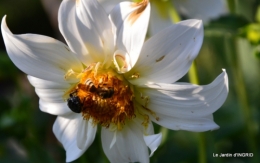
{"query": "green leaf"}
[(227, 23)]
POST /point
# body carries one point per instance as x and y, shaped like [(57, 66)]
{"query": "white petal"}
[(50, 94), (85, 135), (130, 22), (46, 84), (185, 102), (54, 108), (69, 30), (153, 141), (113, 140), (39, 56), (47, 90), (92, 30), (201, 9), (66, 129), (195, 124), (129, 146), (91, 14), (109, 4), (167, 56), (185, 99)]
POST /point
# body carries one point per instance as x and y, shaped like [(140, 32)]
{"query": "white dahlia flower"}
[(108, 76)]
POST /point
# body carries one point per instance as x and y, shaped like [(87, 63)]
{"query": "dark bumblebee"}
[(74, 103), (103, 91)]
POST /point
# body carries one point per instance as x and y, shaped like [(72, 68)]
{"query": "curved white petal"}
[(201, 9), (153, 141), (39, 56), (108, 5), (69, 30), (50, 94), (130, 22), (85, 135), (66, 128), (195, 124), (54, 108), (129, 146), (92, 21), (183, 99), (182, 103), (167, 56), (89, 31), (46, 84)]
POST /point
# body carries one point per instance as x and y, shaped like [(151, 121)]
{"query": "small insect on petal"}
[(161, 58)]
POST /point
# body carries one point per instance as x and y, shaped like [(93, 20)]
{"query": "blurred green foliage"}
[(231, 42)]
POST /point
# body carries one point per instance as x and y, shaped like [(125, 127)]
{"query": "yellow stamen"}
[(71, 74)]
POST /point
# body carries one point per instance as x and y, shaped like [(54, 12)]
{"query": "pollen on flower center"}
[(103, 96)]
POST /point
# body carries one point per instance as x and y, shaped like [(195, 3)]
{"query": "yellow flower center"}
[(103, 96)]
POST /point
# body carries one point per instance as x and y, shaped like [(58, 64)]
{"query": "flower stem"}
[(166, 10), (175, 17), (231, 6), (164, 132), (202, 148), (193, 73), (193, 76)]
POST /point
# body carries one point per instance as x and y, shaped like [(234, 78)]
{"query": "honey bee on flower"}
[(108, 75)]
